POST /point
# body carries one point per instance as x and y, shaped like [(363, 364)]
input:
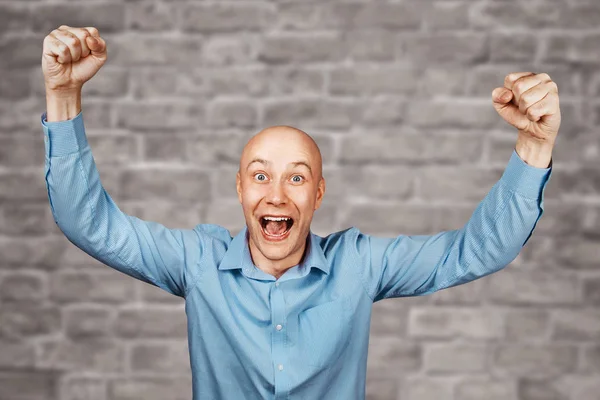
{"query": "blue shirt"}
[(305, 335)]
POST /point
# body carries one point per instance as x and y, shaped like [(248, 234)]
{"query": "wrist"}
[(534, 152), (62, 105)]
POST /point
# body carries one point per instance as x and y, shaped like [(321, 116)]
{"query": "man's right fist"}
[(71, 57)]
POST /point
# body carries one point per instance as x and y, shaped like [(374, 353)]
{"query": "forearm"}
[(62, 106), (534, 152)]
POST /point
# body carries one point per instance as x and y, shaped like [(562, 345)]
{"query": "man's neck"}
[(276, 267)]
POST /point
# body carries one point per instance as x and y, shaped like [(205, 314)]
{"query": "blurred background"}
[(397, 95)]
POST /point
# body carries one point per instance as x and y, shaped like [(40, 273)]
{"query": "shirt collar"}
[(238, 254)]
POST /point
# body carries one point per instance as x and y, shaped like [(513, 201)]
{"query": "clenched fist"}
[(71, 57), (529, 102)]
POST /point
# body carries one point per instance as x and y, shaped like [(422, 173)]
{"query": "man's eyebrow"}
[(258, 160), (265, 162)]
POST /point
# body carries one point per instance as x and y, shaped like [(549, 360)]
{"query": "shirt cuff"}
[(524, 179), (64, 137)]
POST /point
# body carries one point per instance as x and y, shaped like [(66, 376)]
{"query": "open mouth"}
[(276, 227)]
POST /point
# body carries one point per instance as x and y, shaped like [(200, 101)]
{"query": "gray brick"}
[(576, 325), (114, 149), (531, 389), (107, 18), (230, 50), (582, 16), (170, 214), (38, 252), (23, 287), (381, 388), (389, 318), (108, 82), (390, 356), (455, 358), (165, 147), (165, 358), (80, 388), (176, 388), (472, 293), (17, 85), (451, 322), (390, 219), (573, 49), (20, 52), (516, 15), (106, 287), (151, 323), (527, 324), (373, 81), (21, 185), (95, 355), (16, 355), (370, 45), (211, 18), (308, 48), (85, 321), (243, 81), (524, 287), (428, 389), (402, 146), (373, 15), (578, 253), (447, 114), (151, 294), (160, 117), (305, 114), (151, 17), (459, 184), (591, 290), (28, 385), (14, 17), (30, 219), (374, 183), (447, 16), (181, 185), (232, 113), (136, 49), (591, 358), (18, 321), (21, 151), (498, 389), (228, 214), (534, 360), (513, 47), (455, 48), (444, 80), (165, 81)]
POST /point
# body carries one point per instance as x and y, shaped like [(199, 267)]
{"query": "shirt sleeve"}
[(493, 237), (91, 220)]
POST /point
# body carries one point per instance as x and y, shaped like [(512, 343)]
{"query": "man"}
[(276, 311)]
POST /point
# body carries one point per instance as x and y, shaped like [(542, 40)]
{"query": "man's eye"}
[(300, 178), (260, 176)]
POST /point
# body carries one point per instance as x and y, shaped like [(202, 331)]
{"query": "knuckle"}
[(544, 76), (62, 27)]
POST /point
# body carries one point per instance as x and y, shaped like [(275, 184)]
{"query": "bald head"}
[(271, 141)]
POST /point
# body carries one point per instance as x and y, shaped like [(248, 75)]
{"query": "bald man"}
[(277, 312)]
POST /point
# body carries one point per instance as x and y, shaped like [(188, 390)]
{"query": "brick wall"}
[(398, 96)]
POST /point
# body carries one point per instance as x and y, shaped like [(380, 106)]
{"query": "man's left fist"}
[(529, 102)]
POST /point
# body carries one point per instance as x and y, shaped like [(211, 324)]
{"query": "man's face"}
[(280, 177)]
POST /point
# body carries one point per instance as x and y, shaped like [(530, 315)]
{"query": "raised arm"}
[(81, 207), (501, 224)]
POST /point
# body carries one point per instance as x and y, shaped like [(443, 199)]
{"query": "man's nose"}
[(276, 194)]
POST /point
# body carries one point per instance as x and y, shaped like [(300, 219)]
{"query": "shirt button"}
[(277, 284), (280, 367), (279, 327)]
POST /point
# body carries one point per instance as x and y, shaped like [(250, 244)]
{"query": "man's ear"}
[(320, 193), (238, 186)]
